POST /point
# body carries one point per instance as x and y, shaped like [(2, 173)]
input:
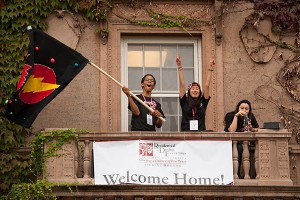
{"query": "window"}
[(157, 56)]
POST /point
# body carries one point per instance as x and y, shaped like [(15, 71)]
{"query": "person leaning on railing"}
[(241, 120)]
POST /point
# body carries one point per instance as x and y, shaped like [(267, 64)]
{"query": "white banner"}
[(155, 162)]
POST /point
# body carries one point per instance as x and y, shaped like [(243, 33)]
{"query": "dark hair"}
[(143, 79), (244, 101), (250, 114)]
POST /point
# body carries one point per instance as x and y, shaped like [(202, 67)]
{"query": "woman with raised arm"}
[(193, 102)]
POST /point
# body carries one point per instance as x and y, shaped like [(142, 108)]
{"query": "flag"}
[(49, 67)]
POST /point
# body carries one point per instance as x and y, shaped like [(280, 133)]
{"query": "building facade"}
[(141, 38)]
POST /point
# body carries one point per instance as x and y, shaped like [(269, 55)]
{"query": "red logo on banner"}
[(146, 149), (39, 85)]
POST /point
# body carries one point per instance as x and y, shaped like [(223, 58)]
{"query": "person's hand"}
[(241, 113), (252, 129), (178, 61), (156, 113), (126, 91)]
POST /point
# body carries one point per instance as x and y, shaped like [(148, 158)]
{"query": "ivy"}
[(15, 16), (34, 164), (96, 10), (42, 189), (285, 14), (161, 20), (54, 140)]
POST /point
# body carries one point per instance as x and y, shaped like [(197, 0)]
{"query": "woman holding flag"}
[(142, 118)]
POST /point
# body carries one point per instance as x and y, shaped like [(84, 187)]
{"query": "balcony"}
[(265, 166)]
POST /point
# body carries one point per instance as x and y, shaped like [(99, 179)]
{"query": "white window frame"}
[(125, 40)]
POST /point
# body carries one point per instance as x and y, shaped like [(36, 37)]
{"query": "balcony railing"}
[(265, 159)]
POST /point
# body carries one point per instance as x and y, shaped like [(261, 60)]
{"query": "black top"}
[(139, 123), (240, 124), (187, 113)]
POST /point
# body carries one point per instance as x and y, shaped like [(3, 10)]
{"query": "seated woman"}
[(240, 120)]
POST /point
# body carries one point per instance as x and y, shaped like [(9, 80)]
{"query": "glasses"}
[(147, 79)]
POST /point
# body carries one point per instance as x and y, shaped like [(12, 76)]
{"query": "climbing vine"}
[(96, 10), (15, 15), (285, 14), (41, 189), (161, 20), (54, 141), (285, 18)]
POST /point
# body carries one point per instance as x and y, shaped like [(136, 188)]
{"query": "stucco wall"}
[(92, 101), (78, 105)]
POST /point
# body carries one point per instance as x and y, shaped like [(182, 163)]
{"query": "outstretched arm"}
[(181, 77), (208, 79)]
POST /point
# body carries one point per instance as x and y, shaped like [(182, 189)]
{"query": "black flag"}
[(50, 66)]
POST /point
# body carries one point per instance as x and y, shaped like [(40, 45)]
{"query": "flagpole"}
[(133, 95)]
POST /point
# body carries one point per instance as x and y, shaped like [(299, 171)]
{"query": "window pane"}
[(169, 79), (169, 55), (152, 56), (170, 105), (188, 76), (135, 56), (129, 120), (187, 55), (171, 124), (135, 77)]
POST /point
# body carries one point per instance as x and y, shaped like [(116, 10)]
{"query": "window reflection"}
[(135, 56), (152, 56)]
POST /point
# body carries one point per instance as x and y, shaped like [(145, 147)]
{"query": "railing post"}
[(76, 159), (246, 160), (256, 160), (87, 160), (235, 159)]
